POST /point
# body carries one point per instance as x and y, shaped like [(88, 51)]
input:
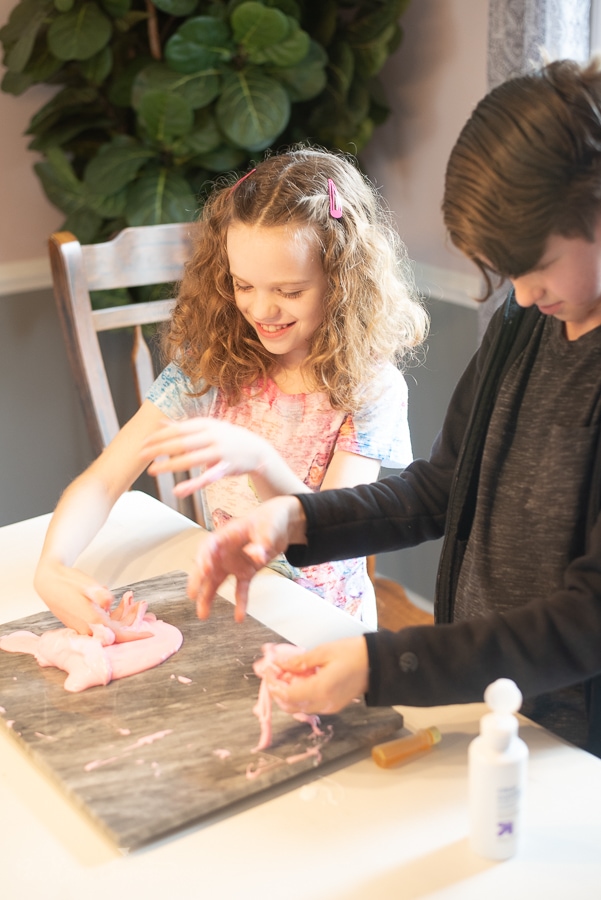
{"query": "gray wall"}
[(452, 341), (43, 441)]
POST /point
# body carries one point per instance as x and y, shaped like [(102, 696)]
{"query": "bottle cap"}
[(503, 696)]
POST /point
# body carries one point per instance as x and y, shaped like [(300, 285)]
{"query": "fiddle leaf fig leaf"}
[(60, 182), (80, 33), (98, 67), (159, 197), (84, 224), (307, 79), (342, 67), (115, 166), (252, 109), (204, 137), (291, 50), (257, 26), (16, 83), (109, 206), (222, 159), (177, 7), (290, 7), (65, 102), (200, 43), (116, 8), (19, 52), (165, 115), (197, 88)]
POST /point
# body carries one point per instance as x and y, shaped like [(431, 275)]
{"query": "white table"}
[(355, 832)]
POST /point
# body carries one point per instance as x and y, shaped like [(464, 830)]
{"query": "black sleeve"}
[(544, 645), (398, 511)]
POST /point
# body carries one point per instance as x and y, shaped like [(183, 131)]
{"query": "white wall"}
[(434, 80)]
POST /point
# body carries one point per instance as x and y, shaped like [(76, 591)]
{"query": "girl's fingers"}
[(211, 475)]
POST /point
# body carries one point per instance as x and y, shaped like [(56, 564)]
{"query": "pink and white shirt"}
[(306, 432)]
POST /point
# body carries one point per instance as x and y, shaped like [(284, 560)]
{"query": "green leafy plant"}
[(156, 97)]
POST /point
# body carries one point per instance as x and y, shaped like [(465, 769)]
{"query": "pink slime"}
[(95, 659), (273, 654)]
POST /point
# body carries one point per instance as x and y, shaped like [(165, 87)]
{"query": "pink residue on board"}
[(141, 742), (149, 739), (184, 680), (221, 753)]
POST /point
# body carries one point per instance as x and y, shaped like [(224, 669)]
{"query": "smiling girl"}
[(292, 317)]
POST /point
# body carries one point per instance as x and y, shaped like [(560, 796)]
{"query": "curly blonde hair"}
[(370, 314)]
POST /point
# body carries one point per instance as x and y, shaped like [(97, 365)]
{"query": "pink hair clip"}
[(335, 202), (240, 180)]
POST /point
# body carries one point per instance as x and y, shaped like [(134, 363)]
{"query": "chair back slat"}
[(137, 256), (153, 254)]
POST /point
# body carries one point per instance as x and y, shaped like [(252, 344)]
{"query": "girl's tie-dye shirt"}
[(306, 432)]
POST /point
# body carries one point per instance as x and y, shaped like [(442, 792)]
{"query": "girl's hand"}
[(241, 547), (323, 680), (79, 602), (213, 445)]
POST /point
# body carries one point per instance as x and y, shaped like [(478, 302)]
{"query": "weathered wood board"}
[(147, 755)]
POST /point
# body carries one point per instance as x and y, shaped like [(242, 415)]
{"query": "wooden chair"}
[(145, 255), (395, 609)]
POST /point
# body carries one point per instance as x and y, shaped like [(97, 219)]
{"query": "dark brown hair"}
[(526, 165), (370, 313)]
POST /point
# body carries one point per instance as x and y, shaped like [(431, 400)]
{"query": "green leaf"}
[(21, 16), (160, 197), (60, 183), (308, 78), (371, 56), (64, 5), (109, 206), (69, 99), (222, 159), (371, 22), (291, 50), (290, 7), (98, 68), (198, 88), (204, 137), (110, 298), (79, 34), (20, 51), (84, 224), (165, 115), (117, 9), (342, 68), (252, 110), (199, 44), (323, 26), (177, 7), (62, 134), (16, 83), (115, 166), (121, 89), (256, 26), (43, 64)]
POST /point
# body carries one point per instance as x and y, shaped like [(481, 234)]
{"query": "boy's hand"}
[(323, 680), (241, 547)]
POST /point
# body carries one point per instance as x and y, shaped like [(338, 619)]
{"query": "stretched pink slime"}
[(273, 654)]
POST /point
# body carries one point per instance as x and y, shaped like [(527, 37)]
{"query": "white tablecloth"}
[(354, 832)]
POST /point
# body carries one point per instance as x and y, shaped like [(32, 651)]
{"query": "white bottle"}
[(497, 763)]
